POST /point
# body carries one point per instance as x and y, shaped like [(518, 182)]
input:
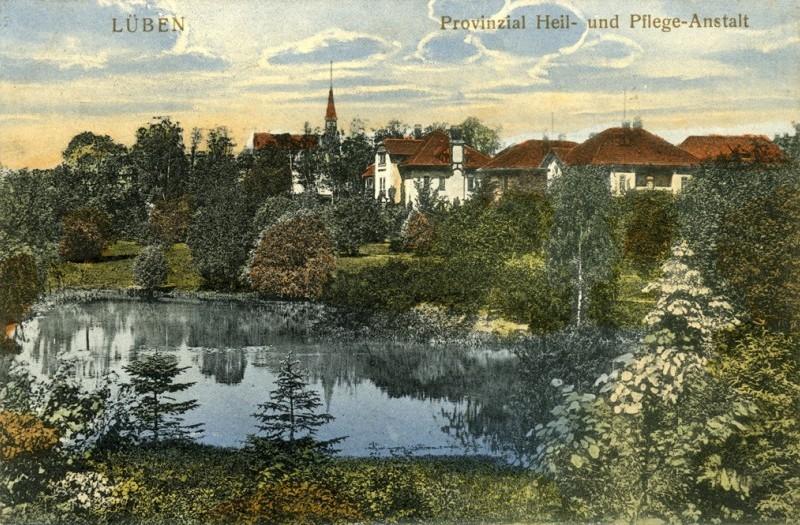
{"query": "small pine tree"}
[(158, 415), (292, 413)]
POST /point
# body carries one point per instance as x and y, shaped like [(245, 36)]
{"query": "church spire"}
[(330, 112)]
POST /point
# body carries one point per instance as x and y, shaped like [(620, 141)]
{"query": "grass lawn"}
[(115, 269), (374, 254)]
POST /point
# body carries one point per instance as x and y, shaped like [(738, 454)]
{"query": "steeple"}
[(330, 112)]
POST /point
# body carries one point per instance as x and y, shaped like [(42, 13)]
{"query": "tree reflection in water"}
[(471, 387)]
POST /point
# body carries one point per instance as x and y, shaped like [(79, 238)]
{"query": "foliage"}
[(292, 411), (580, 251), (150, 268), (220, 239), (29, 207), (272, 209), (19, 281), (159, 159), (480, 136), (85, 232), (521, 292), (294, 258), (382, 287), (649, 224), (267, 174), (169, 220), (743, 224), (655, 439), (418, 233), (353, 221), (765, 368), (158, 415)]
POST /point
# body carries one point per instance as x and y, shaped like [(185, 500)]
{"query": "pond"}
[(387, 397)]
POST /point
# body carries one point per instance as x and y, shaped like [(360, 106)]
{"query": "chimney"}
[(637, 123), (626, 124), (417, 131), (456, 149)]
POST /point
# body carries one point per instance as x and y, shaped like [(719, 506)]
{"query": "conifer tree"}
[(292, 412), (158, 414)]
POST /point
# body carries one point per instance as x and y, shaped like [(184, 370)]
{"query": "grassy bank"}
[(115, 269), (198, 484)]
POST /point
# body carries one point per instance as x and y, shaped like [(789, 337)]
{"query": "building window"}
[(442, 183), (621, 182), (382, 158), (370, 183), (382, 184), (651, 182), (470, 183)]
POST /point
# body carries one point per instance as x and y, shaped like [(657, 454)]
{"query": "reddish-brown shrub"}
[(84, 235), (294, 258), (418, 233)]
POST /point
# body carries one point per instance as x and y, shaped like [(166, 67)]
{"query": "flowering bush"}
[(91, 492)]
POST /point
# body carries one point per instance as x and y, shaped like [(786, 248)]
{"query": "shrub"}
[(418, 233), (354, 221), (19, 281), (649, 223), (270, 211), (150, 268), (383, 287), (293, 259), (169, 220), (84, 235), (26, 443)]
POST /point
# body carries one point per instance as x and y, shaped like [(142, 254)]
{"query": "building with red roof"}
[(525, 166), (635, 159), (746, 149), (443, 162)]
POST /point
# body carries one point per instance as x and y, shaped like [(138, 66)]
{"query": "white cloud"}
[(345, 48)]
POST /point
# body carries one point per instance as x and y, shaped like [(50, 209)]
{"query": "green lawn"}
[(374, 254), (115, 269)]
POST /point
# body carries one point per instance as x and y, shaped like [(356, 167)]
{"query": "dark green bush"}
[(353, 221), (384, 287), (270, 211), (169, 220), (649, 222), (19, 281), (150, 268), (85, 233)]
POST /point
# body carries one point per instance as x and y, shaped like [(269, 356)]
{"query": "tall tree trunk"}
[(580, 280)]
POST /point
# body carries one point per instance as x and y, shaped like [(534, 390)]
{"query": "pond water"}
[(388, 398)]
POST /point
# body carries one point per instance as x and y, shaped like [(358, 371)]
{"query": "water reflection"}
[(388, 395)]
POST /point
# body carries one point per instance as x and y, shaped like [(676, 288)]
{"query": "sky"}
[(264, 65)]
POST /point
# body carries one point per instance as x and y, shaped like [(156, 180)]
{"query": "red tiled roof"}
[(628, 146), (435, 151), (528, 154), (330, 112), (369, 172), (402, 146), (284, 141), (748, 148)]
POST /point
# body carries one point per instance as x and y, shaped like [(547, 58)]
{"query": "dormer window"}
[(382, 158)]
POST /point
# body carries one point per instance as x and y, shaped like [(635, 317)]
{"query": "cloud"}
[(446, 48), (458, 9), (610, 51), (342, 47)]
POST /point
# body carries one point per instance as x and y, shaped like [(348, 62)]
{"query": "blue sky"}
[(263, 65)]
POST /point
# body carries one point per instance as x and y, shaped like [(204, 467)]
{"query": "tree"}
[(85, 233), (150, 268), (394, 129), (649, 224), (159, 160), (418, 233), (292, 412), (169, 220), (267, 174), (581, 251), (480, 136), (293, 258), (653, 440), (219, 236), (353, 221), (743, 225), (158, 414), (19, 281)]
